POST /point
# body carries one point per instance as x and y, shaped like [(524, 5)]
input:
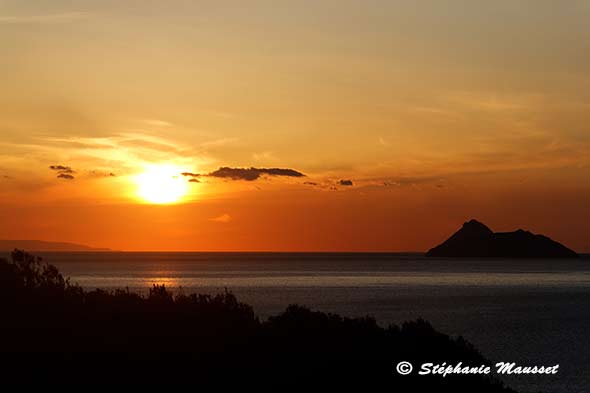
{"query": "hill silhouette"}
[(54, 332), (41, 245), (475, 239)]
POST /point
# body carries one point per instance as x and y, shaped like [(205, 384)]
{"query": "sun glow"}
[(161, 184)]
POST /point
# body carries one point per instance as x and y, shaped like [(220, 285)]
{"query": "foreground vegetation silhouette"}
[(54, 332)]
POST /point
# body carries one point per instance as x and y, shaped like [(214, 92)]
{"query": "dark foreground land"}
[(53, 332)]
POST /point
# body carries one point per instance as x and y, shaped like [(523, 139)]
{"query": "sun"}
[(161, 184)]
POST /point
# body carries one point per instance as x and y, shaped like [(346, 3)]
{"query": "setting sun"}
[(161, 184)]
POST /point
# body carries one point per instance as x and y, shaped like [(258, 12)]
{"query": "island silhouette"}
[(476, 240), (42, 245)]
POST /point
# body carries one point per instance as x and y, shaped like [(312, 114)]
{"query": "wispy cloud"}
[(219, 142), (98, 174), (149, 144), (123, 152), (157, 123), (224, 218), (492, 103), (48, 18), (265, 156)]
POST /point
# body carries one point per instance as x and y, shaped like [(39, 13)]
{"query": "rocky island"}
[(475, 239)]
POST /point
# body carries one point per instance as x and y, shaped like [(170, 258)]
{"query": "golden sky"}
[(406, 118)]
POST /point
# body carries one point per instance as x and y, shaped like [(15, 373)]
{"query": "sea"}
[(527, 311)]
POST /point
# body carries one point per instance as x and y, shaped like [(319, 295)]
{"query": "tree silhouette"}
[(53, 331)]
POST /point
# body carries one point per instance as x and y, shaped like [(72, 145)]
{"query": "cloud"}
[(265, 156), (157, 123), (219, 142), (411, 181), (250, 174), (193, 176), (345, 182), (61, 168), (97, 173), (190, 174), (63, 172), (66, 172), (149, 145), (49, 18), (224, 218)]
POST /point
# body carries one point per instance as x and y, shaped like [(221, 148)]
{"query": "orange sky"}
[(437, 112)]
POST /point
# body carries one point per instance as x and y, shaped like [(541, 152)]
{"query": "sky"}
[(298, 125)]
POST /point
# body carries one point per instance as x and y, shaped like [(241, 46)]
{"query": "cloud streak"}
[(224, 218), (49, 18), (247, 174), (61, 168), (99, 174), (63, 171), (190, 174), (251, 174)]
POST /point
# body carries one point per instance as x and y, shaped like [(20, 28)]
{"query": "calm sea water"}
[(533, 312)]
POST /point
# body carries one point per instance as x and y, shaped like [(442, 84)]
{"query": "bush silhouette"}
[(53, 331)]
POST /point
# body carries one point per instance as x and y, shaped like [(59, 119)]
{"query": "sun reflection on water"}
[(168, 282)]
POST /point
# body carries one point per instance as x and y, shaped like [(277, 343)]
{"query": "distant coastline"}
[(42, 245)]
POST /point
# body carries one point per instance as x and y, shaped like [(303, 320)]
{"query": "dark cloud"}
[(250, 174), (62, 169), (63, 172), (280, 172), (190, 174), (345, 182), (322, 185), (193, 176)]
